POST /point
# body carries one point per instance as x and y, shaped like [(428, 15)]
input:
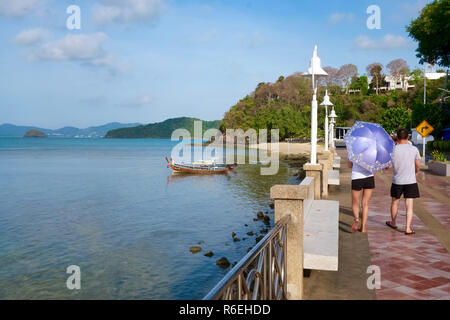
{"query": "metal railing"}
[(261, 274)]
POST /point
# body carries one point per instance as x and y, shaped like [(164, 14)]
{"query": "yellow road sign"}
[(424, 129)]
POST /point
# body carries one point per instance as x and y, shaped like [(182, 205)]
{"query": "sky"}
[(149, 60)]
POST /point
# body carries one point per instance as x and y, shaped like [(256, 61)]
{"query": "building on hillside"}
[(395, 83), (435, 75)]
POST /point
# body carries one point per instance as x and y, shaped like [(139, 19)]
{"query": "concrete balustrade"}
[(312, 231), (290, 200), (326, 160), (315, 171)]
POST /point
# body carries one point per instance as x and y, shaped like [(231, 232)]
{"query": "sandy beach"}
[(288, 148)]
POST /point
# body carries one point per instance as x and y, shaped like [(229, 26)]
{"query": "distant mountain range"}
[(161, 129), (10, 130)]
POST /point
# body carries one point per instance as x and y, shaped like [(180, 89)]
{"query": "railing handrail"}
[(234, 273)]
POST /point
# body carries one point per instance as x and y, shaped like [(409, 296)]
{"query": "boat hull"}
[(177, 168)]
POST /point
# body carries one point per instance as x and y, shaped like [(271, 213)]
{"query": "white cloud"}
[(74, 47), (389, 41), (17, 8), (124, 11), (31, 36), (86, 49), (338, 17)]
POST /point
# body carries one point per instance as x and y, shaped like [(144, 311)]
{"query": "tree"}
[(416, 76), (395, 118), (333, 76), (346, 73), (432, 31), (360, 83), (399, 69), (374, 70)]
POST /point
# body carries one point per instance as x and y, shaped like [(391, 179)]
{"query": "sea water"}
[(113, 208)]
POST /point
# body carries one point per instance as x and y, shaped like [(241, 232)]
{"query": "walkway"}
[(412, 267)]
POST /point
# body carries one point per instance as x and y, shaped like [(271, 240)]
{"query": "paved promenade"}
[(412, 267)]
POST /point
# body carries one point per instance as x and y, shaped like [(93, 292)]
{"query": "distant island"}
[(11, 130), (161, 130), (35, 134)]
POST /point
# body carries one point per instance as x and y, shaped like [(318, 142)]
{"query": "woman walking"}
[(363, 183)]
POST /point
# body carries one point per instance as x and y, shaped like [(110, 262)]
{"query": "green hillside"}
[(285, 105), (161, 130)]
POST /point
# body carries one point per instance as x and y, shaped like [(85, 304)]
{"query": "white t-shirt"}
[(403, 159), (359, 172)]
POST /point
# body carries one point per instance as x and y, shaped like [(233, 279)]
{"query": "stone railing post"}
[(315, 171), (289, 201), (326, 160), (325, 168), (328, 154)]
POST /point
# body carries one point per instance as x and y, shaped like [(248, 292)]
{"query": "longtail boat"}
[(197, 169)]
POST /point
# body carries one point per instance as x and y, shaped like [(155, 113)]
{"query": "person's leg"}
[(396, 194), (367, 194), (409, 214), (394, 211), (356, 195)]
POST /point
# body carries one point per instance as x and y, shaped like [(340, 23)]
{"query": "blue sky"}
[(149, 60)]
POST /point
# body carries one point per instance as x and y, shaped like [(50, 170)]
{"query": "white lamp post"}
[(333, 116), (326, 102), (315, 71)]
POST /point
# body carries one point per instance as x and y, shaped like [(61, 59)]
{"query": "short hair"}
[(402, 134)]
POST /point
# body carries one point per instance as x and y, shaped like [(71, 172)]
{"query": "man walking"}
[(406, 162)]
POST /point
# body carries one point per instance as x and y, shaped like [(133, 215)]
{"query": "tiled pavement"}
[(416, 266)]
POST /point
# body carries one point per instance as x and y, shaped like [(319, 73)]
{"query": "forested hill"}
[(285, 105), (161, 130)]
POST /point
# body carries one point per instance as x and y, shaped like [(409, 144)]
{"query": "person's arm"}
[(417, 163), (350, 164)]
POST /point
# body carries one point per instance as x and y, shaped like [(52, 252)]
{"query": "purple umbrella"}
[(369, 146)]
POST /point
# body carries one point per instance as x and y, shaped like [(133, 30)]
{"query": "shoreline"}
[(286, 148)]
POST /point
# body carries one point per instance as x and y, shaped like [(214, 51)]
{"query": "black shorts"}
[(409, 191), (366, 183)]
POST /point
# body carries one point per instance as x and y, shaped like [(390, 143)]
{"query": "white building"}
[(396, 83), (435, 75)]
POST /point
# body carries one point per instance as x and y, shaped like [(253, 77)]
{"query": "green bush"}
[(443, 146), (438, 156)]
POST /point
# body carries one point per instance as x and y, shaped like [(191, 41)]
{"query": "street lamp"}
[(326, 102), (315, 72), (333, 116)]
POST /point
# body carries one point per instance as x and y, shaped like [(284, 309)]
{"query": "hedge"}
[(443, 146)]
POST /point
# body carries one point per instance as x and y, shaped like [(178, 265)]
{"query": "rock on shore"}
[(195, 249), (223, 263)]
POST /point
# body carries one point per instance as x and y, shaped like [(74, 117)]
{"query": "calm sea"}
[(113, 208)]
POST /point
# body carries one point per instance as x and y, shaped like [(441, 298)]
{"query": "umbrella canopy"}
[(369, 146)]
